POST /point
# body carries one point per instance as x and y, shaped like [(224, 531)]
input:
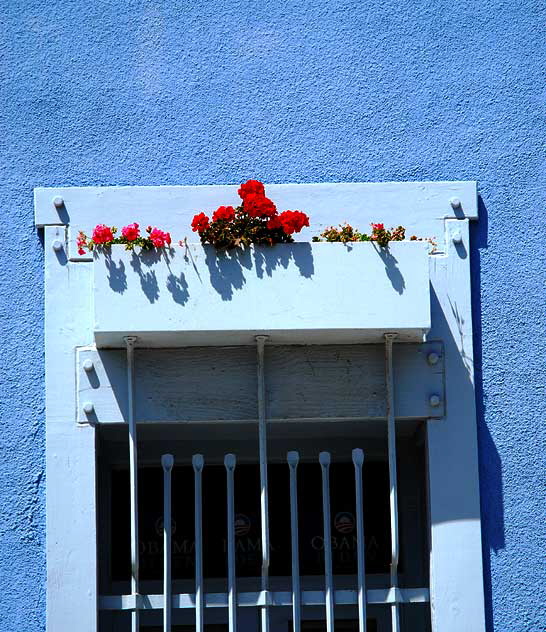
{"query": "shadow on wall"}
[(491, 486), (391, 269), (226, 268), (142, 264)]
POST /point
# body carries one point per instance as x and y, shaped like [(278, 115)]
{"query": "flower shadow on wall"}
[(227, 267), (391, 269), (176, 284), (117, 278), (148, 278), (142, 263)]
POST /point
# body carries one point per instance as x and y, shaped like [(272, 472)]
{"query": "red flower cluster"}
[(259, 206), (130, 236), (227, 213), (102, 234), (255, 221), (200, 223), (159, 238), (251, 187), (130, 232), (293, 221)]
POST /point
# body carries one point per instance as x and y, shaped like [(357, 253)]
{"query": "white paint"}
[(320, 293)]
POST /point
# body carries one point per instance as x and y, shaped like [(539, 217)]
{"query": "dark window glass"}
[(247, 509)]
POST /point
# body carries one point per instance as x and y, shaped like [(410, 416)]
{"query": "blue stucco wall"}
[(104, 92)]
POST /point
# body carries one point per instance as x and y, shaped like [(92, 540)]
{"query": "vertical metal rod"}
[(198, 463), (264, 501), (293, 460), (167, 462), (358, 461), (324, 460), (230, 462), (133, 480), (391, 432)]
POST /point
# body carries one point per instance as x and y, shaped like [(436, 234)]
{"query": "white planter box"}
[(309, 293)]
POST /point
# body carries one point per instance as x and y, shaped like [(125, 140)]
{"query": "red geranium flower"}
[(226, 213), (102, 234), (378, 227), (293, 221), (251, 187), (274, 223), (159, 238), (200, 223), (130, 232), (259, 206)]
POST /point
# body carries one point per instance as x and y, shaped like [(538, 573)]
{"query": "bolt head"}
[(58, 201), (88, 408), (455, 202), (434, 400), (57, 245), (457, 237), (88, 365), (432, 358)]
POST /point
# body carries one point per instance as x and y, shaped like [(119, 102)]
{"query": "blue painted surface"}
[(190, 93)]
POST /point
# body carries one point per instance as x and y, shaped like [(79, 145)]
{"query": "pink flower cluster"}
[(159, 238), (104, 235), (131, 232)]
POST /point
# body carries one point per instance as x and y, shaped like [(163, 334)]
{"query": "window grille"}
[(264, 598)]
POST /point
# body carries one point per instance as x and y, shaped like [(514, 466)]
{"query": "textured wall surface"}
[(104, 93)]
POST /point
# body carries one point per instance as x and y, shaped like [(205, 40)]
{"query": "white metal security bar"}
[(293, 460), (230, 462), (391, 433), (133, 476), (198, 463), (358, 461), (264, 500), (324, 460), (167, 462)]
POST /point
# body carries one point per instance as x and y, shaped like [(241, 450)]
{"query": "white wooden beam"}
[(70, 448), (207, 384), (456, 574)]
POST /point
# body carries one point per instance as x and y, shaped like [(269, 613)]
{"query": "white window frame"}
[(439, 209)]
